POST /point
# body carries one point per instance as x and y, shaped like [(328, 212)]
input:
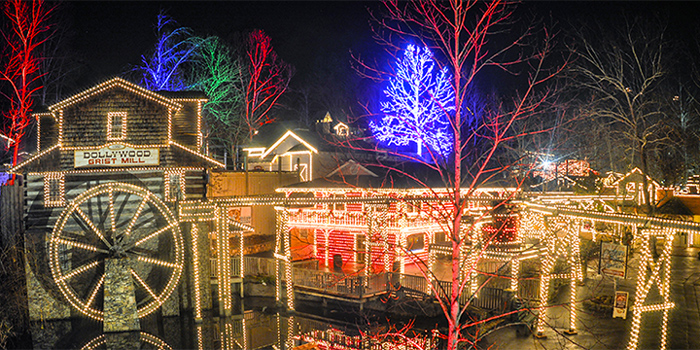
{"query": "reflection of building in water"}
[(254, 330), (126, 340)]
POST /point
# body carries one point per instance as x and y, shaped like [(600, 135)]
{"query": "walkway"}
[(598, 331)]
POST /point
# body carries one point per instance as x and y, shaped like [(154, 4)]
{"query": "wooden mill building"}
[(115, 205)]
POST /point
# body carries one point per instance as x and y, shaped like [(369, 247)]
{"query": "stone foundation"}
[(121, 314)]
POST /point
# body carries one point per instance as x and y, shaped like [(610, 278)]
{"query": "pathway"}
[(604, 332)]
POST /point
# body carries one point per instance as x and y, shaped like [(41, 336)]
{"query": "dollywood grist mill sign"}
[(116, 155)]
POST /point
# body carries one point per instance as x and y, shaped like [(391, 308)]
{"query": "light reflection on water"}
[(252, 329)]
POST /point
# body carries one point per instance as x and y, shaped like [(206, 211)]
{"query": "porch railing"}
[(360, 286), (252, 266), (235, 267), (340, 284), (314, 217)]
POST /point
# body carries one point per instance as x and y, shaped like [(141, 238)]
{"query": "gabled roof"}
[(353, 168), (633, 172), (289, 135), (271, 136), (111, 84)]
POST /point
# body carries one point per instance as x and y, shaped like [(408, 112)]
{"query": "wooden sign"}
[(613, 259), (116, 155), (620, 305)]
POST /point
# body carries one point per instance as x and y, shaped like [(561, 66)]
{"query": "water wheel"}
[(116, 221)]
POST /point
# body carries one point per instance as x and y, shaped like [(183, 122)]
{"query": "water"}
[(258, 326)]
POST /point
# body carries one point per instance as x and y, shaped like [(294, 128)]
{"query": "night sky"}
[(112, 36)]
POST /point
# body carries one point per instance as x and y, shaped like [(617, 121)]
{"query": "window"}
[(360, 248), (413, 207), (415, 242), (116, 125), (440, 237), (54, 190), (338, 206), (174, 185)]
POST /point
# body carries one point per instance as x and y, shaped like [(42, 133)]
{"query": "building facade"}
[(116, 166)]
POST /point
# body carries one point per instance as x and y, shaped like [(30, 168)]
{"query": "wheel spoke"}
[(144, 285), (82, 237), (154, 234), (95, 290), (113, 222), (80, 245), (79, 270), (157, 262), (92, 226), (136, 252), (136, 216)]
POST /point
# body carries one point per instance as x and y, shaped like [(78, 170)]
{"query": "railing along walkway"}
[(360, 286), (350, 286)]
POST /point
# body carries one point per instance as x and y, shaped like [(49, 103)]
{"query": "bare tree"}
[(20, 64), (267, 79), (467, 38), (622, 78), (220, 73)]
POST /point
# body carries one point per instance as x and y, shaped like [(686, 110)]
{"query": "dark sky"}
[(111, 36)]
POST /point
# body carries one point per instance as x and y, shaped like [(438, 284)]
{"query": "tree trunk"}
[(645, 183)]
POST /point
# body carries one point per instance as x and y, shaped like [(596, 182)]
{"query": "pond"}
[(255, 325)]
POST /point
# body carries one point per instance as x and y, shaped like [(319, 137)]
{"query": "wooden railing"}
[(254, 265), (338, 337), (306, 276), (356, 219), (339, 283), (488, 298), (235, 267), (310, 217)]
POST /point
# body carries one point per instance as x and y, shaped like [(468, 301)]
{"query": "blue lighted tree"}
[(418, 106), (162, 69)]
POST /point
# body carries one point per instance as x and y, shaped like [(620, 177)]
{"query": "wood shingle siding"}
[(145, 124)]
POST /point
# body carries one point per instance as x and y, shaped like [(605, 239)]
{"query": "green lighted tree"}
[(219, 73)]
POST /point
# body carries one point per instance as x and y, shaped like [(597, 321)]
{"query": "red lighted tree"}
[(469, 37), (268, 78), (20, 65)]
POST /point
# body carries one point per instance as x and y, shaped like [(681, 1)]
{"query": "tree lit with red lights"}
[(19, 68), (464, 34), (268, 78)]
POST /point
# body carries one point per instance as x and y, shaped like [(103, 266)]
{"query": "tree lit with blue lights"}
[(417, 106), (162, 69)]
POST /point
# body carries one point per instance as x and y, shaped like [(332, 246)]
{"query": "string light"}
[(74, 211), (111, 84), (223, 262), (32, 159), (54, 190), (650, 273), (174, 181), (211, 160), (38, 117), (151, 340), (115, 119), (197, 283)]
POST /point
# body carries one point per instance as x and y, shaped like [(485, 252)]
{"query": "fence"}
[(307, 276), (339, 283), (11, 212), (254, 265), (235, 267)]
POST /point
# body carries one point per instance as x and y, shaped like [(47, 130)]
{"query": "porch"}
[(352, 285)]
